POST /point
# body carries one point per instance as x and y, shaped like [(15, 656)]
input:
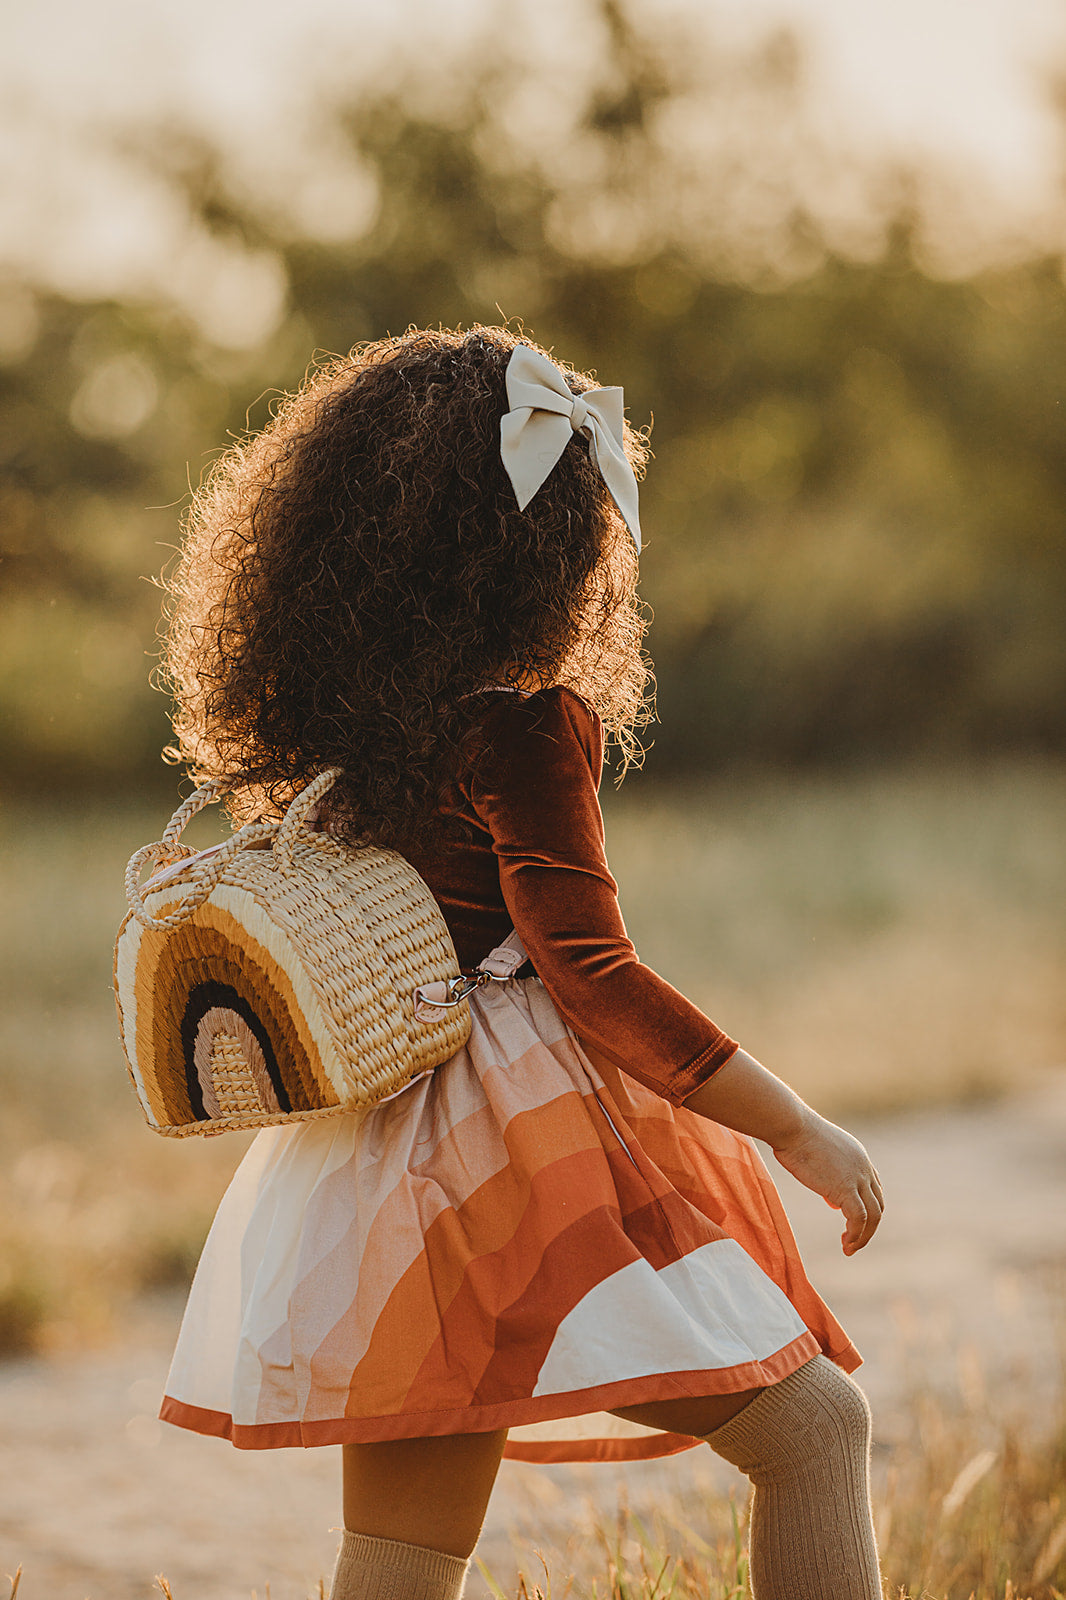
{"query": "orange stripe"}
[(477, 1259), (648, 1447), (346, 1291), (484, 1230), (481, 1224), (502, 1323)]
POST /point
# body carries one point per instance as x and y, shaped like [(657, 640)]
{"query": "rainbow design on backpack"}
[(219, 1023)]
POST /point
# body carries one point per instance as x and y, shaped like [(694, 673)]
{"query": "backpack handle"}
[(206, 795), (197, 872), (299, 811)]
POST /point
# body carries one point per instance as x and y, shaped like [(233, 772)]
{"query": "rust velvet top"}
[(528, 850)]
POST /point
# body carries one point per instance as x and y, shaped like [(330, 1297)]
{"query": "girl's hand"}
[(744, 1096), (828, 1160)]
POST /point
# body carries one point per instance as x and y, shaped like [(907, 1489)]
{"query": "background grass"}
[(879, 939), (964, 1510)]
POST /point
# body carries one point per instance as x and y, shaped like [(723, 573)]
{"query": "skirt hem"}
[(517, 1413)]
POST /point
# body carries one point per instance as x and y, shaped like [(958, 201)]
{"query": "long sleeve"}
[(534, 788)]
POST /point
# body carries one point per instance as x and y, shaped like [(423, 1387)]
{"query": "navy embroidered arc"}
[(201, 1000)]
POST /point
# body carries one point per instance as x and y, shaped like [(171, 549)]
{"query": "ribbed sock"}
[(805, 1445), (385, 1569)]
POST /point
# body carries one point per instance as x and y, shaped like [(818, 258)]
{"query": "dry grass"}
[(168, 1593), (968, 1506), (883, 940), (97, 1211), (965, 1509), (88, 1228)]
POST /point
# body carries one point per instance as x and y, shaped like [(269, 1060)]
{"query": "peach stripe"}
[(385, 1175), (489, 1249), (484, 1230)]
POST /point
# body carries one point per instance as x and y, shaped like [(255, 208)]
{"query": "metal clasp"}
[(457, 990)]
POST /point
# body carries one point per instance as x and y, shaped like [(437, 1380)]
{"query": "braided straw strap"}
[(205, 870), (299, 812), (200, 873), (206, 795)]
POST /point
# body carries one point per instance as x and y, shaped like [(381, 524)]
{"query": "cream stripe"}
[(713, 1308)]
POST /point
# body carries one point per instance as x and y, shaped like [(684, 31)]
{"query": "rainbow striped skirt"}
[(517, 1240)]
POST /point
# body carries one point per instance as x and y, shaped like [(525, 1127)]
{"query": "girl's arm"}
[(743, 1096), (533, 788)]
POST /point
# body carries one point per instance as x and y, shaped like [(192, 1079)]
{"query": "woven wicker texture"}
[(266, 985)]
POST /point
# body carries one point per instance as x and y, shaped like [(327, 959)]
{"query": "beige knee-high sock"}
[(385, 1569), (805, 1445)]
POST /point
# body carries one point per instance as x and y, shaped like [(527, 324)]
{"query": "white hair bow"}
[(543, 415)]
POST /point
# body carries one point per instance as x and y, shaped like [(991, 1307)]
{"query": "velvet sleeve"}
[(534, 788)]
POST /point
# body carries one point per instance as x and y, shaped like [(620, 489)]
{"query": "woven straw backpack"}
[(283, 975)]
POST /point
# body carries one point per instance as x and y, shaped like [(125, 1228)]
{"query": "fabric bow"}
[(544, 413)]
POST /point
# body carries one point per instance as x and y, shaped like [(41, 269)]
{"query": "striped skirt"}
[(517, 1240)]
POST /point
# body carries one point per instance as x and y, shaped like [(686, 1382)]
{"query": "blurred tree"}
[(855, 514), (95, 418)]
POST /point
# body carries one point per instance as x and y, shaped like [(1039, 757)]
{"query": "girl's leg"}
[(432, 1492), (413, 1509), (805, 1445), (697, 1417)]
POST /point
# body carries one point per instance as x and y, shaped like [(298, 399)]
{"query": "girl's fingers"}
[(856, 1218), (873, 1218), (866, 1209)]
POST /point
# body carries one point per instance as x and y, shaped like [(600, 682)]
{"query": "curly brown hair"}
[(353, 575)]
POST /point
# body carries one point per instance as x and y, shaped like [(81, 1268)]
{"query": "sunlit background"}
[(821, 244)]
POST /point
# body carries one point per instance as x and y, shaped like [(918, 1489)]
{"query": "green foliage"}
[(855, 512)]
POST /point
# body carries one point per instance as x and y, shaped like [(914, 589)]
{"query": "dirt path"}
[(963, 1291)]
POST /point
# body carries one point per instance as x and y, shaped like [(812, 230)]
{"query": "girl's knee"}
[(830, 1408), (817, 1413)]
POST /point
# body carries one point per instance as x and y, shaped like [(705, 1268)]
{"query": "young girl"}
[(423, 572)]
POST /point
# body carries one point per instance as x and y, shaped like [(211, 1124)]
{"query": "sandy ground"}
[(963, 1291)]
